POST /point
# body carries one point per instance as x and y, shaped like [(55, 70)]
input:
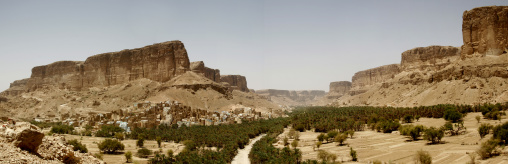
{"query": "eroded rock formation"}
[(236, 82), (291, 97), (159, 62), (485, 31), (428, 58), (363, 79), (338, 89), (200, 68)]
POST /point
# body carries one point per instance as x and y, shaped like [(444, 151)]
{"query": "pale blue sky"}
[(281, 44)]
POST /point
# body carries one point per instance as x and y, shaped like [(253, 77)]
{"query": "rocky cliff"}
[(428, 58), (364, 79), (291, 97), (485, 31), (236, 82), (200, 68), (338, 89), (17, 87), (159, 62)]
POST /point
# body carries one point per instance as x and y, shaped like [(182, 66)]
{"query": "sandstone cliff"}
[(338, 89), (428, 58), (236, 82), (17, 87), (159, 62), (291, 97), (200, 68), (485, 31), (364, 79)]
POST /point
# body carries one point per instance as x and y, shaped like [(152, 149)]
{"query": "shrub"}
[(351, 133), (119, 136), (286, 141), (77, 146), (501, 132), (189, 145), (353, 154), (484, 129), (478, 118), (321, 137), (159, 141), (144, 153), (294, 143), (318, 144), (108, 131), (487, 149), (70, 158), (128, 156), (332, 134), (423, 157), (408, 119), (326, 157), (454, 129), (110, 146), (417, 117), (326, 137), (98, 156), (387, 126)]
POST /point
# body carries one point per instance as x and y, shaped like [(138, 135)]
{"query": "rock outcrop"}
[(200, 68), (17, 87), (159, 62), (24, 135), (485, 31), (364, 79), (428, 58), (338, 89), (236, 82)]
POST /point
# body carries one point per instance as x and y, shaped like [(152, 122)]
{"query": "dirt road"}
[(243, 154)]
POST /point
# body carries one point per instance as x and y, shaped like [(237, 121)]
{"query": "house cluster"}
[(149, 115)]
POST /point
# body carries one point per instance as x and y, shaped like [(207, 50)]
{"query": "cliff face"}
[(159, 62), (484, 31), (291, 97), (338, 89), (199, 67), (236, 82), (428, 58), (16, 88), (364, 79)]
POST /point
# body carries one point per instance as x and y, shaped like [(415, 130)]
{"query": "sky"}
[(275, 44)]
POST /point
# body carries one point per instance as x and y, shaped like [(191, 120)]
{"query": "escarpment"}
[(362, 80), (485, 31), (291, 97), (338, 89), (236, 82), (428, 58), (17, 87), (159, 62)]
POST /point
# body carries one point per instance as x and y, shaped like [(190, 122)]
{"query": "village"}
[(149, 115)]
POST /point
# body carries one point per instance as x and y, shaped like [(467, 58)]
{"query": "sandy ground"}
[(371, 146), (243, 154), (130, 145)]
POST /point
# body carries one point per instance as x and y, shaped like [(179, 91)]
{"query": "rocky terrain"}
[(291, 97), (338, 89), (212, 74), (25, 143), (476, 73)]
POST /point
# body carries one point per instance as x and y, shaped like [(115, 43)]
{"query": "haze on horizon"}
[(276, 44)]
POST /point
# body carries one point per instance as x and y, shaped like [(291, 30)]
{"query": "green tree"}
[(321, 137), (478, 118), (326, 137), (140, 142), (353, 154), (119, 136), (109, 146), (452, 115), (408, 118), (159, 141), (341, 138), (433, 134), (318, 144), (332, 134), (294, 144), (487, 148), (417, 117)]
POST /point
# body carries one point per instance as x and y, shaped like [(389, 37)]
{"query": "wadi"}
[(153, 104)]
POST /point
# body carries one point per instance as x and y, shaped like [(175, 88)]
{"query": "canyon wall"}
[(291, 97), (338, 89), (200, 68), (236, 82), (485, 31), (16, 88), (159, 62), (362, 80), (428, 58)]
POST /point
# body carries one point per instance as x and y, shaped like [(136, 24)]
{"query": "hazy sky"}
[(280, 44)]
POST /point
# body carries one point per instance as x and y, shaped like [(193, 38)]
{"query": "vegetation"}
[(408, 118), (62, 129), (488, 148), (140, 142), (128, 156), (423, 157), (341, 138), (78, 146), (433, 134), (325, 156), (478, 118), (454, 128), (144, 153), (108, 131), (353, 154), (484, 129), (110, 146), (159, 141), (452, 115), (412, 131)]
